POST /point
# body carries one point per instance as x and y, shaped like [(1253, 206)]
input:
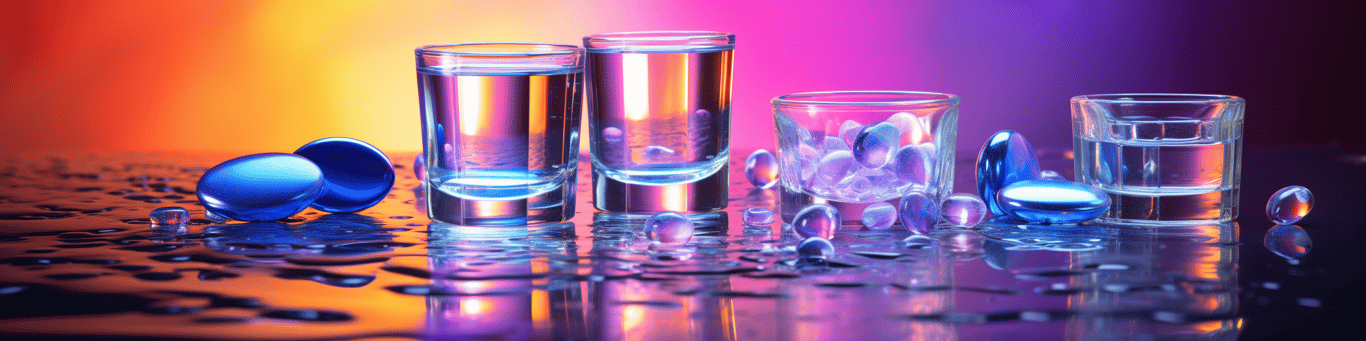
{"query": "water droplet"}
[(757, 216), (261, 187), (815, 249), (1288, 241), (879, 216), (875, 144), (817, 220), (357, 174), (169, 216), (669, 228), (964, 210), (919, 212), (761, 168), (1289, 205), (1051, 175)]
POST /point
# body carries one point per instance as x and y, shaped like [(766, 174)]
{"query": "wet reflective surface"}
[(80, 258)]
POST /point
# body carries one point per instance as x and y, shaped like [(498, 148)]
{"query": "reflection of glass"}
[(1164, 158), (1171, 282), (500, 130), (849, 149), (659, 118), (486, 294)]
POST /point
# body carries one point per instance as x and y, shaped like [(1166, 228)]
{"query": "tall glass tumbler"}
[(851, 149), (500, 126), (1163, 158), (659, 115)]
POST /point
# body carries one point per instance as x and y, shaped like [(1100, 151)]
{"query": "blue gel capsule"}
[(669, 228), (260, 187), (817, 220), (761, 169), (756, 216), (1006, 158), (1051, 201), (815, 249), (357, 174), (879, 216), (1289, 205), (919, 212), (1288, 241), (169, 216)]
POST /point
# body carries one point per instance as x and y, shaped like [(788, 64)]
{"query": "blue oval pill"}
[(1006, 157), (358, 175), (1052, 201), (261, 187)]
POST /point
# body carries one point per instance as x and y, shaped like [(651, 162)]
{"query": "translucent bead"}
[(1050, 201), (1288, 241), (1006, 158), (849, 131), (261, 187), (169, 216), (815, 249), (918, 240), (964, 210), (834, 144), (420, 167), (761, 168), (912, 131), (669, 228), (912, 165), (879, 216), (1289, 205), (1051, 175), (357, 175), (817, 220), (919, 212), (757, 216), (833, 168), (611, 134), (875, 144)]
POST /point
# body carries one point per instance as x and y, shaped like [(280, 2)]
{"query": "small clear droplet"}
[(1289, 205), (169, 216), (879, 216), (757, 216), (818, 220), (964, 210), (761, 169), (1051, 175), (669, 228)]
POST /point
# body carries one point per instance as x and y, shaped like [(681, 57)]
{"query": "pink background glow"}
[(257, 76)]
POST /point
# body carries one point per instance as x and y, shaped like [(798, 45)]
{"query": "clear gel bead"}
[(879, 216), (815, 249), (875, 145), (669, 228), (919, 212), (757, 216), (1289, 205), (818, 220), (761, 168), (169, 216), (964, 210)]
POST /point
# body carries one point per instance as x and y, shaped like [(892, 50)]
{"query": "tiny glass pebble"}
[(761, 169), (669, 228), (817, 220), (1289, 205), (879, 216), (757, 216), (964, 209), (919, 212), (169, 216)]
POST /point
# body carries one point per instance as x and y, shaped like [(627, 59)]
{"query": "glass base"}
[(705, 195), (552, 207)]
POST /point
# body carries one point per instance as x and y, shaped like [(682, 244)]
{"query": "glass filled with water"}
[(1163, 158), (852, 149), (500, 126), (659, 118)]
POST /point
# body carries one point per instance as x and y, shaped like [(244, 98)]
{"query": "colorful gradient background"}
[(258, 76)]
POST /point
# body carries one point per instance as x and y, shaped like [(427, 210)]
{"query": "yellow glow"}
[(635, 84), (631, 317), (473, 287), (475, 306), (674, 197), (540, 309), (473, 103), (536, 104)]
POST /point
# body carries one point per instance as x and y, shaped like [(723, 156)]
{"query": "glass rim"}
[(659, 36), (822, 98), (1158, 98), (552, 49)]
